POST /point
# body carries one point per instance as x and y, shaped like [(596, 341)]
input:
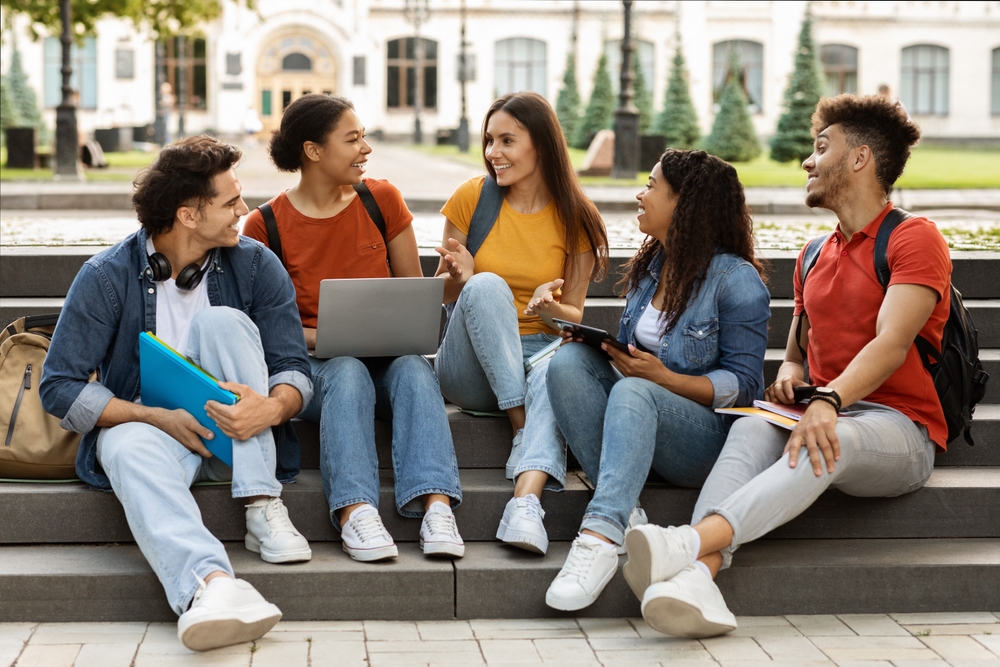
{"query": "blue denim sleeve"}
[(276, 315), (87, 326), (744, 311)]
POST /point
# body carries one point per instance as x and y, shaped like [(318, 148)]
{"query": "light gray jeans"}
[(883, 454), (151, 473)]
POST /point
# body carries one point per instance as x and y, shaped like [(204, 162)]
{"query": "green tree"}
[(24, 99), (792, 138), (643, 96), (678, 120), (161, 17), (733, 137), (600, 109), (8, 112), (568, 102)]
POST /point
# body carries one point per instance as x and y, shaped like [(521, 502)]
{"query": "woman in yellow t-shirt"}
[(546, 245)]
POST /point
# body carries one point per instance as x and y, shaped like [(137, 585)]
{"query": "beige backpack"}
[(34, 445)]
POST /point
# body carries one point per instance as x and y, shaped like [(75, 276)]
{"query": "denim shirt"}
[(113, 299), (722, 334)]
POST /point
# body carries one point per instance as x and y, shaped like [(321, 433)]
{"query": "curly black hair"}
[(711, 216), (310, 118), (873, 121), (182, 173)]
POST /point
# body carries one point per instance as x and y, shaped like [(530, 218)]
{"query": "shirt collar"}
[(871, 229)]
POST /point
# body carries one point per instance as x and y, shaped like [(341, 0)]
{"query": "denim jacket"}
[(113, 299), (722, 334)]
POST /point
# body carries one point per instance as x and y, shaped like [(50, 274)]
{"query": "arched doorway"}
[(293, 62)]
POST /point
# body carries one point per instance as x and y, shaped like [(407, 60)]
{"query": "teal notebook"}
[(169, 380)]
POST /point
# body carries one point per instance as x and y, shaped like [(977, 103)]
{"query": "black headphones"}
[(189, 277)]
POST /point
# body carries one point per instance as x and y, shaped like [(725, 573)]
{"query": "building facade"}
[(942, 59)]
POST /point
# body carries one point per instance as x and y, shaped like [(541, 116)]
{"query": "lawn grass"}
[(930, 167), (121, 167)]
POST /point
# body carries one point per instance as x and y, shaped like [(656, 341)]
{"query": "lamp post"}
[(626, 163), (416, 12), (181, 83), (160, 121), (67, 137), (463, 122)]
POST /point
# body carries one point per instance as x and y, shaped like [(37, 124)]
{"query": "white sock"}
[(704, 568), (439, 507), (697, 545), (590, 539)]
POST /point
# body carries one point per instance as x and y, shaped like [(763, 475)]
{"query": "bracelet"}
[(830, 400)]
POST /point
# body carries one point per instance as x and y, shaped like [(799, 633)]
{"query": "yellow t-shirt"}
[(525, 250)]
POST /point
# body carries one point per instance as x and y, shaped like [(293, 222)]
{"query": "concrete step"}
[(956, 502), (48, 271), (770, 577)]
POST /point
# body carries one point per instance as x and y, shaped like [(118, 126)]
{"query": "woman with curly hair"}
[(695, 324)]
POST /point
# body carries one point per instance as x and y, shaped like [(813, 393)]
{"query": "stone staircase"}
[(67, 553)]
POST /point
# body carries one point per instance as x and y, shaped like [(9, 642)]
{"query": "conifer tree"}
[(733, 136), (643, 96), (600, 109), (568, 102), (24, 99), (792, 139), (678, 120), (8, 112)]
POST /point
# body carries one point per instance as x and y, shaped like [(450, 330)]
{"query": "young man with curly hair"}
[(189, 277), (859, 342)]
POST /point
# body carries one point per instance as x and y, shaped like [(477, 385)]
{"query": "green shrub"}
[(643, 96), (24, 99), (733, 136), (600, 109), (678, 120), (568, 102), (792, 139)]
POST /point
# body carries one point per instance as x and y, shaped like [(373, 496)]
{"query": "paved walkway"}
[(868, 640)]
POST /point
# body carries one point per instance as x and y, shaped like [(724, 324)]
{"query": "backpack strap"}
[(375, 213), (271, 223), (486, 214), (893, 219), (809, 258)]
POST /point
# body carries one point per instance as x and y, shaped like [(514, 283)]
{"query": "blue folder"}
[(169, 380)]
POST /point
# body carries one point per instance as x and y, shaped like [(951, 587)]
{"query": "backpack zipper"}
[(25, 384)]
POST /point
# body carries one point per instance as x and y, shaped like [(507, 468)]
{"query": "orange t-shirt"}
[(348, 245), (843, 300)]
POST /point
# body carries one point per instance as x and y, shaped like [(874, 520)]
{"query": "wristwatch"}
[(827, 395)]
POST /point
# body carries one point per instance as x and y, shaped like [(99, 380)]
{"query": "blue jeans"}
[(882, 454), (620, 428), (151, 473), (348, 395), (481, 367)]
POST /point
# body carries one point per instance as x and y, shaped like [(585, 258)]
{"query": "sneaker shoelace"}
[(368, 527), (580, 558), (441, 524), (277, 517), (533, 509)]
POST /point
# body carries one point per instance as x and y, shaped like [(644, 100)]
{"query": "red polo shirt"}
[(843, 301)]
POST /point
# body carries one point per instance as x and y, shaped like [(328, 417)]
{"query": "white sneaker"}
[(224, 612), (521, 524), (656, 554), (271, 534), (439, 533), (689, 605), (636, 518), (365, 538), (589, 567), (515, 454)]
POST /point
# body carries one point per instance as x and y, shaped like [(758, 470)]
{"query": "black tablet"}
[(592, 336)]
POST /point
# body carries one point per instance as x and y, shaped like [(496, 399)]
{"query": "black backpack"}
[(956, 370)]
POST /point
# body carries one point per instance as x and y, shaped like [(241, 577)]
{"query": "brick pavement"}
[(852, 640)]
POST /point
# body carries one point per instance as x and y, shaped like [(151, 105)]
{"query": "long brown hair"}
[(711, 217), (578, 214)]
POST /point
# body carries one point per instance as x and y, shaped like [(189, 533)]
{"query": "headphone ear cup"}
[(160, 265), (189, 277)]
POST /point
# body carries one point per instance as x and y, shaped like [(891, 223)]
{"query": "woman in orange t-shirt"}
[(326, 232)]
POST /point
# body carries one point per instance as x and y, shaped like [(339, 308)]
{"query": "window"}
[(405, 75), (296, 62), (752, 69), (83, 59), (923, 88), (520, 65), (840, 66), (359, 70), (643, 51), (265, 102), (995, 97), (194, 73)]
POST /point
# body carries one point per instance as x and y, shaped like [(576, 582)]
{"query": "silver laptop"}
[(378, 317)]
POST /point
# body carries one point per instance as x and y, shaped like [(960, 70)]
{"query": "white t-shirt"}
[(648, 331), (176, 308)]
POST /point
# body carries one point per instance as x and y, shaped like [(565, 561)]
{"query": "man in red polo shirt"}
[(859, 343)]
